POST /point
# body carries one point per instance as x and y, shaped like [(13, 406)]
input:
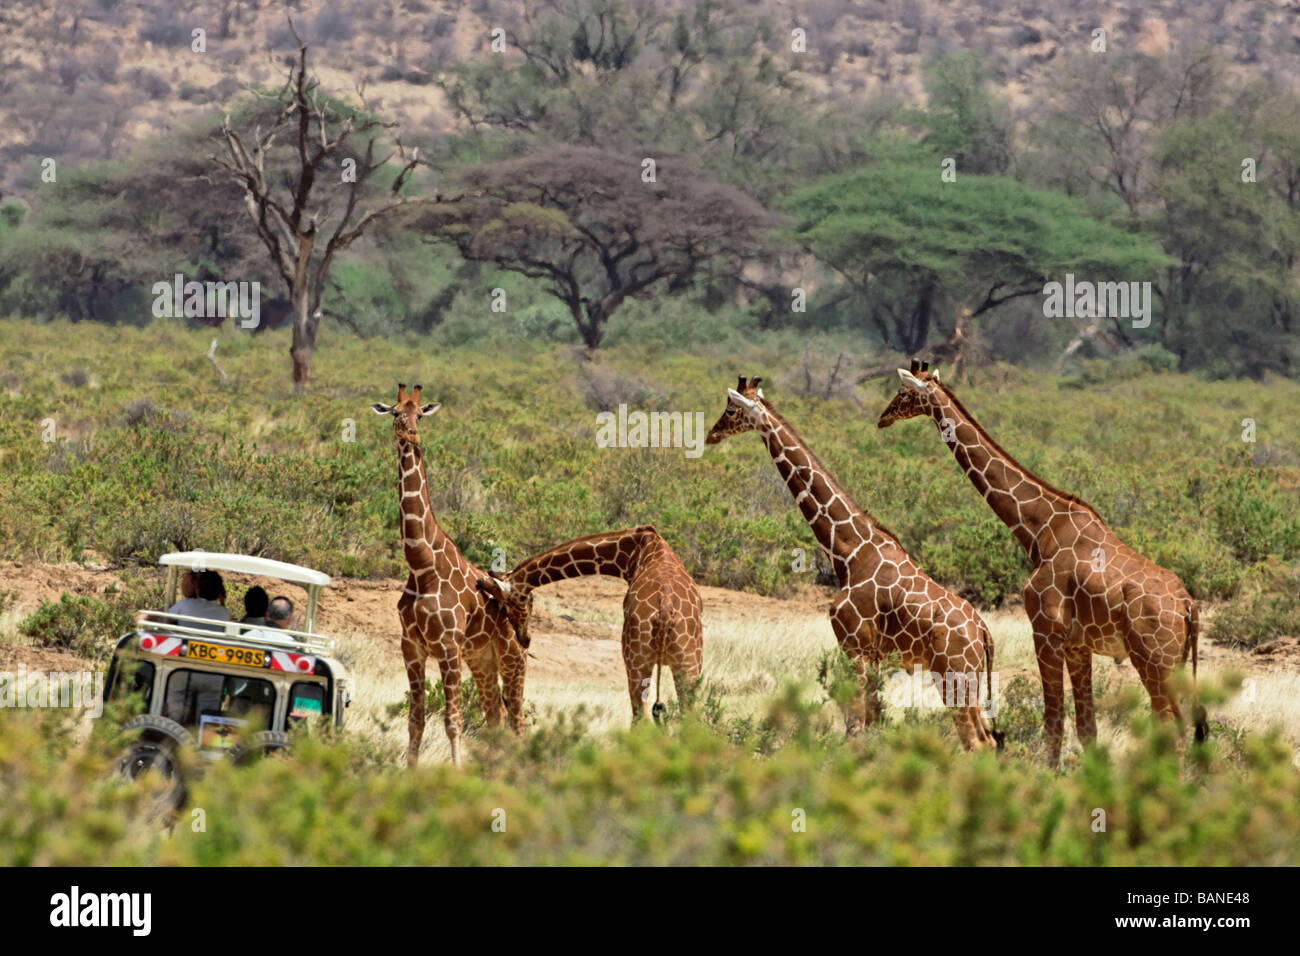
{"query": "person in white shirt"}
[(204, 605)]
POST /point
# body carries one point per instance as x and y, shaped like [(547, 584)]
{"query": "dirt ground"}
[(576, 625)]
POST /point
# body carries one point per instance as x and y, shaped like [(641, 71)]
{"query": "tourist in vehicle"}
[(205, 604), (280, 613), (255, 604)]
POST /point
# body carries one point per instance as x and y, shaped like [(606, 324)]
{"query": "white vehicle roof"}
[(245, 564)]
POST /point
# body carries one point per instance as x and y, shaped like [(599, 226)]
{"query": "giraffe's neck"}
[(614, 553), (1023, 501), (846, 532), (424, 542)]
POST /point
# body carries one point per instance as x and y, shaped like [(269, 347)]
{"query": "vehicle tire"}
[(156, 749), (258, 745), (159, 729)]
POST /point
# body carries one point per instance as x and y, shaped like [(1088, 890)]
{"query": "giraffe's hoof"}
[(1000, 737), (1201, 719)]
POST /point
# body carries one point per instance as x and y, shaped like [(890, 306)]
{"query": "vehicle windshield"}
[(202, 700)]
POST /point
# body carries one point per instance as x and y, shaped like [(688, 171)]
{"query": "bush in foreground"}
[(900, 794)]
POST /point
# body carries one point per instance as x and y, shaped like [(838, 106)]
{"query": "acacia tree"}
[(915, 248), (295, 215), (587, 223)]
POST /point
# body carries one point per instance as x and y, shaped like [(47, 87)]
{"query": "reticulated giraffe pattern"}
[(443, 612), (886, 604), (662, 612), (1089, 593)]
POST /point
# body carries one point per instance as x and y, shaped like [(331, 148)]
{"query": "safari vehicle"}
[(221, 688)]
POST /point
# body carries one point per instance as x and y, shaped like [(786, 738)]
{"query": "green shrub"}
[(686, 794), (90, 626), (472, 715), (1266, 612), (513, 463)]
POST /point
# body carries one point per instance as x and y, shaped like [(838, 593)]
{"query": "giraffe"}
[(1089, 593), (886, 604), (443, 614), (661, 610)]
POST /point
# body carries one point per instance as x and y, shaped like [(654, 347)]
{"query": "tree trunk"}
[(592, 329), (918, 330), (304, 342)]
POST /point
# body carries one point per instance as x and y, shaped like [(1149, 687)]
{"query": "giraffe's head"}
[(745, 404), (516, 602), (916, 396), (406, 413)]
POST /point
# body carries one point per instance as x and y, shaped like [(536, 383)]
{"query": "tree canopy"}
[(913, 245), (590, 226)]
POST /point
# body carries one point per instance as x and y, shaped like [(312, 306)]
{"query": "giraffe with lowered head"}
[(886, 604), (661, 610), (1089, 593), (443, 613)]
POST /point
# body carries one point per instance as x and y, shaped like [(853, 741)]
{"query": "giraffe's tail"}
[(659, 712), (999, 736), (1192, 619)]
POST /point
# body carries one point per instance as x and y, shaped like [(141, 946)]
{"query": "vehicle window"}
[(192, 695), (133, 678), (307, 700)]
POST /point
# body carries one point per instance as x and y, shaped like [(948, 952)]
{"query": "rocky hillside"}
[(85, 79)]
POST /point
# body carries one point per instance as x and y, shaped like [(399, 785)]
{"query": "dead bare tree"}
[(293, 215), (1089, 333)]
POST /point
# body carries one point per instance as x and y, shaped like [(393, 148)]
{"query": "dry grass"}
[(749, 656)]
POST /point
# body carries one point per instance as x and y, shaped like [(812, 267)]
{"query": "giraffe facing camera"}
[(444, 613)]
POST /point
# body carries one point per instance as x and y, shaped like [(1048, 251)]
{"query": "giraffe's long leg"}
[(684, 656), (1051, 668), (1078, 661), (640, 688), (1154, 649), (639, 659), (483, 667), (957, 690), (513, 662), (413, 653), (450, 667), (857, 639)]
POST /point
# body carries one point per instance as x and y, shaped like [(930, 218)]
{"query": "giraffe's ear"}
[(430, 408), (911, 381), (381, 409), (739, 399), (750, 406), (491, 587)]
